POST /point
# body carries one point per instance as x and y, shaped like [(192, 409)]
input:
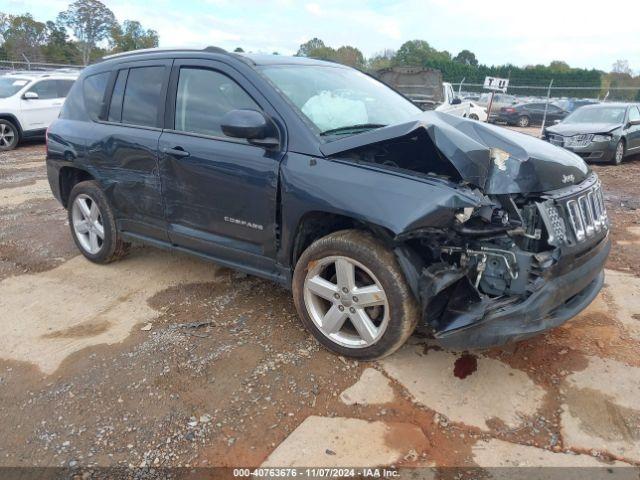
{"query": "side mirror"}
[(456, 101), (30, 96), (634, 122), (556, 121), (251, 125)]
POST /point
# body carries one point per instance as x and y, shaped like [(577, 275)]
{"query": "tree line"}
[(84, 32), (88, 30), (465, 66)]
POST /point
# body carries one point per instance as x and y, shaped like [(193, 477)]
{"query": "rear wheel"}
[(93, 225), (524, 121), (618, 154), (9, 135), (473, 116), (352, 296)]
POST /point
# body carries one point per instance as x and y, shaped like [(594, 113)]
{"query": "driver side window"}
[(634, 114), (204, 97)]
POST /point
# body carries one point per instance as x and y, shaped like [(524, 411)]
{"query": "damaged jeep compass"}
[(379, 217)]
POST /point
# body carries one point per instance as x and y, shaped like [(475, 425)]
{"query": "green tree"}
[(322, 53), (59, 48), (132, 36), (559, 66), (239, 50), (466, 57), (348, 55), (380, 60), (91, 22), (419, 53), (307, 47), (23, 35)]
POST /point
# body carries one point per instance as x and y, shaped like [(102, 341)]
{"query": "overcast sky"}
[(582, 33)]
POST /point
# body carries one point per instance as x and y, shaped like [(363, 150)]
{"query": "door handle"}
[(176, 152)]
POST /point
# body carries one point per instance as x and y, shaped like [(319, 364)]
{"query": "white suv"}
[(30, 102)]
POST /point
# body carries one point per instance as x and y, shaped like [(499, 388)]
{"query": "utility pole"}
[(546, 105)]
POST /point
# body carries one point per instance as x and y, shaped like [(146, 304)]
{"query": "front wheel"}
[(93, 224), (618, 154), (352, 296), (9, 135)]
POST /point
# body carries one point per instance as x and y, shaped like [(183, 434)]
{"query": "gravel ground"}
[(162, 360)]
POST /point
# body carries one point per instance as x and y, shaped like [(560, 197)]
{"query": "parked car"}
[(527, 114), (599, 133), (476, 112), (572, 104), (29, 102), (378, 216), (499, 100)]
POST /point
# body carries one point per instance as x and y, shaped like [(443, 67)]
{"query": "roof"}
[(41, 74), (609, 104), (253, 59)]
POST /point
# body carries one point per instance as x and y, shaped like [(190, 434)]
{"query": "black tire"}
[(112, 247), (9, 135), (619, 152), (473, 116), (523, 121), (365, 249)]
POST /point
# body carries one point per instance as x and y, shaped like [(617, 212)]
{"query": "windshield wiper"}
[(352, 128)]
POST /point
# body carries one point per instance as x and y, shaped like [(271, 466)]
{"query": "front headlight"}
[(602, 138)]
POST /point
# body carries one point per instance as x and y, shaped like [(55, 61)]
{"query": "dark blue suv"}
[(378, 216)]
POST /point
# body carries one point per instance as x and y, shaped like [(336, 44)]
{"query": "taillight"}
[(508, 109)]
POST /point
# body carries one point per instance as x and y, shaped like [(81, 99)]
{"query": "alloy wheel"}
[(346, 302), (87, 223), (619, 152), (7, 135)]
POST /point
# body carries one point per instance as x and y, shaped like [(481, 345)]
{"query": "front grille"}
[(577, 215), (581, 140)]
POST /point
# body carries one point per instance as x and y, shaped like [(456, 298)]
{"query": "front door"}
[(220, 193), (38, 113), (633, 131)]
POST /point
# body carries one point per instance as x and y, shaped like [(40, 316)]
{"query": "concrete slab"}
[(497, 454), (493, 390), (373, 388), (623, 292), (346, 442), (601, 408), (50, 315)]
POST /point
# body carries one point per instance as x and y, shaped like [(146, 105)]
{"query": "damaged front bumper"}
[(570, 286)]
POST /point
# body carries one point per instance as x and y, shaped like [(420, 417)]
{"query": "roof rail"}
[(210, 49)]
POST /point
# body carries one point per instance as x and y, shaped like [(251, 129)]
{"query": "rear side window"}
[(142, 96), (115, 108), (94, 88), (46, 89), (203, 97), (63, 87)]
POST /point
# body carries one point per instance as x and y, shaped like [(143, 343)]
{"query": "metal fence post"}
[(546, 105)]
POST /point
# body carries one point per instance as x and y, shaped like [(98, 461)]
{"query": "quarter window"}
[(202, 99), (142, 96), (93, 89)]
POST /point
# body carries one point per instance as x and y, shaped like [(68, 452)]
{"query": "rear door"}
[(39, 113), (220, 192), (124, 146)]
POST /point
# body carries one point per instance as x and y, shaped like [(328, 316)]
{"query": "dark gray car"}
[(599, 133)]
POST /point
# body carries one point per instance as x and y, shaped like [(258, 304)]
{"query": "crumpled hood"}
[(533, 164), (569, 129)]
